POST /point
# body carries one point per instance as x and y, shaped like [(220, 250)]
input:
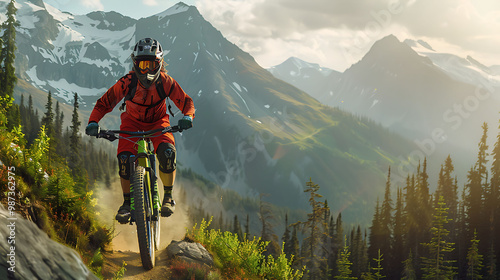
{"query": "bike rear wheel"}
[(146, 228)]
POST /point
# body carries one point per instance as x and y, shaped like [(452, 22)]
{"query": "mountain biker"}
[(146, 110)]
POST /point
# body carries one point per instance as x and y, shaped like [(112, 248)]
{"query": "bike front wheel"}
[(146, 228)]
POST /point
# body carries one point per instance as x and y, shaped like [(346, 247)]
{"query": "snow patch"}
[(237, 86), (57, 14), (177, 9), (195, 57), (237, 92), (64, 89)]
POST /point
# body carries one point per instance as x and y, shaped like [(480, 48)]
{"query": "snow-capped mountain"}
[(437, 100), (309, 77), (395, 80), (463, 69), (252, 132)]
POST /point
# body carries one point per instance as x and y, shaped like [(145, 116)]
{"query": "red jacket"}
[(145, 97)]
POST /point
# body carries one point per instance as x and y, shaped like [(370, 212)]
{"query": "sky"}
[(332, 33)]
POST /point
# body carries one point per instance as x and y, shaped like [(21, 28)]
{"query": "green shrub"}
[(242, 258)]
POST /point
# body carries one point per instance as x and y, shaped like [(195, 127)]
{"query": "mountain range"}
[(253, 132), (437, 100)]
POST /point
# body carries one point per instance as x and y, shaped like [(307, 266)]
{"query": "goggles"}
[(148, 65)]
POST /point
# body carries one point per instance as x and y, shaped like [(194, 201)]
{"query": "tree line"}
[(448, 234), (451, 233), (87, 162)]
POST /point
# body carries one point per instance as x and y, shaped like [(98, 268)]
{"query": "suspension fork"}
[(143, 158)]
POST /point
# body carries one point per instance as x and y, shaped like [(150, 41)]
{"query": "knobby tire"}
[(145, 237)]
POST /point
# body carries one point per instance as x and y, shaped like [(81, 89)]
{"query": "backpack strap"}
[(132, 87), (163, 95)]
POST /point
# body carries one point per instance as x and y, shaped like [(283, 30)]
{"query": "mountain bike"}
[(144, 196)]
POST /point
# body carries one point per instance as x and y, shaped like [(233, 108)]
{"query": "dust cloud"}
[(125, 236)]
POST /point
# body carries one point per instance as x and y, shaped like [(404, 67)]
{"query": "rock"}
[(190, 252), (31, 254)]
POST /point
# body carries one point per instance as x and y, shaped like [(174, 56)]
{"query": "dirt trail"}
[(125, 245)]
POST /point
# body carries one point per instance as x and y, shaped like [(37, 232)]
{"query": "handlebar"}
[(111, 135)]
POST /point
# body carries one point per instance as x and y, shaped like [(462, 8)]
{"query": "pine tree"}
[(492, 201), (483, 228), (364, 258), (411, 216), (332, 252), (399, 233), (473, 203), (378, 270), (409, 268), (424, 206), (344, 264), (462, 236), (474, 260), (386, 226), (267, 234), (375, 233), (294, 246), (7, 56), (237, 228), (357, 252), (449, 190), (315, 227), (327, 240), (58, 121), (285, 239), (34, 122), (337, 243), (48, 122), (74, 158), (437, 266), (491, 265), (48, 117)]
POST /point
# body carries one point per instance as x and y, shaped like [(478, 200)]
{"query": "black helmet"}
[(148, 61)]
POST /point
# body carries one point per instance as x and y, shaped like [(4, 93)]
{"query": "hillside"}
[(252, 133)]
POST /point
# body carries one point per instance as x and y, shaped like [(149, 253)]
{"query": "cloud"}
[(95, 5), (325, 29), (150, 2)]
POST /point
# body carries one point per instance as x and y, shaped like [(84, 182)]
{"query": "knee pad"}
[(166, 157), (124, 165)]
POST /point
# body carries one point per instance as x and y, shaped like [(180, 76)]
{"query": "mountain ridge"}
[(252, 132), (415, 91)]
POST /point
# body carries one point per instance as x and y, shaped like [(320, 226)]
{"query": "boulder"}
[(31, 254), (190, 252)]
